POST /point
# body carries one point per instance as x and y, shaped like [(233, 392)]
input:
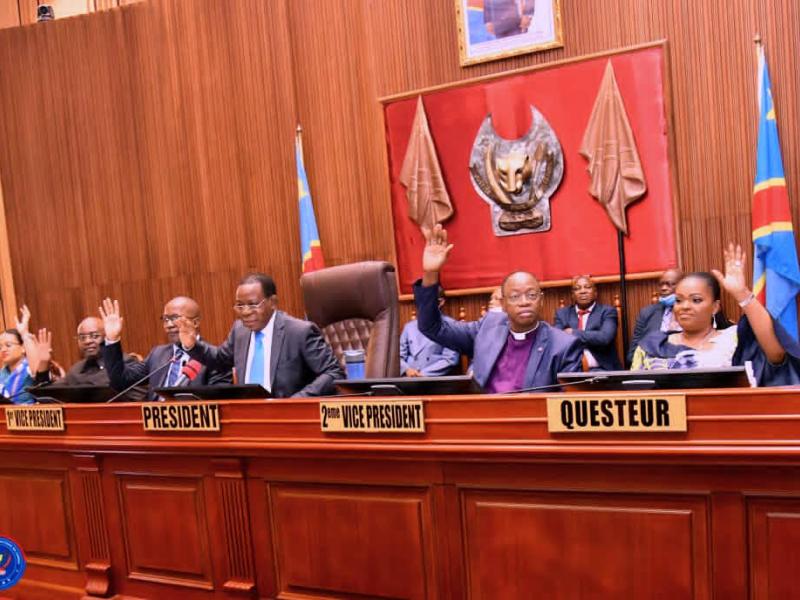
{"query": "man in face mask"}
[(658, 316)]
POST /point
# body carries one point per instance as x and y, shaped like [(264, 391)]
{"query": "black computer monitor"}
[(409, 386), (73, 394), (666, 379), (249, 391)]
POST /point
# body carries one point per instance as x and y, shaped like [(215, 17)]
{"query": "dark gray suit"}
[(301, 362), (648, 321), (121, 374)]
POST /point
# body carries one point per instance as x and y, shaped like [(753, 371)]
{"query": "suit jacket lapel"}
[(497, 341), (541, 342), (240, 348), (163, 355), (277, 342)]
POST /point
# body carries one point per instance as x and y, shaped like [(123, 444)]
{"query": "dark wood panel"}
[(353, 540), (572, 546), (160, 515), (147, 151), (774, 526), (26, 496)]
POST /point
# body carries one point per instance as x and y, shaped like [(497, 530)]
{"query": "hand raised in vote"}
[(43, 344), (112, 321), (436, 250), (734, 281), (187, 330), (23, 321)]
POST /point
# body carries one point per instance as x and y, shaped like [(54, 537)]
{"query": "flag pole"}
[(623, 293)]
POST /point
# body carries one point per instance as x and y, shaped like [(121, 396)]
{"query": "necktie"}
[(583, 315), (175, 367), (256, 373)]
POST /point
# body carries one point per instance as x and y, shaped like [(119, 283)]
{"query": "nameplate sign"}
[(35, 418), (391, 416), (651, 413), (180, 416)]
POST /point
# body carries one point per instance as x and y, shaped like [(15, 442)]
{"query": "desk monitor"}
[(410, 386), (662, 379), (73, 394), (249, 391)]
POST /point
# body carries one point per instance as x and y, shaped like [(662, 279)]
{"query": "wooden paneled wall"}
[(147, 151), (23, 12)]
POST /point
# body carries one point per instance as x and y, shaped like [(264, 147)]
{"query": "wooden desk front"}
[(485, 504)]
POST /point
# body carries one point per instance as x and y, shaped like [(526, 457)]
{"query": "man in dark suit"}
[(287, 356), (594, 324), (164, 362), (658, 316), (511, 350)]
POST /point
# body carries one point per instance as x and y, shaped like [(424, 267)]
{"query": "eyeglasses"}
[(10, 345), (240, 308), (85, 337), (530, 296), (169, 318)]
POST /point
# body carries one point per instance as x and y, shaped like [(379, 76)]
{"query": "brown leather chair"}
[(356, 308)]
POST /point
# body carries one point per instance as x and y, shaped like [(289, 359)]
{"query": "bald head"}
[(179, 306), (90, 337), (669, 279)]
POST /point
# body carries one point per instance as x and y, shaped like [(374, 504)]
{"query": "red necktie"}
[(581, 320)]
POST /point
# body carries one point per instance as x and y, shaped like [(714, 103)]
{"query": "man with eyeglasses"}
[(287, 356), (122, 374), (512, 350), (91, 369)]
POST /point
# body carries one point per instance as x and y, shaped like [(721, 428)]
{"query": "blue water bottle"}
[(354, 363)]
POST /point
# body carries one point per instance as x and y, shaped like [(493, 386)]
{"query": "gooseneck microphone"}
[(141, 380)]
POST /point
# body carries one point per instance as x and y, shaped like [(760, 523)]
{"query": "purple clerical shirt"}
[(508, 373)]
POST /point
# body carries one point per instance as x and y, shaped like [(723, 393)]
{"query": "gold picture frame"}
[(481, 40)]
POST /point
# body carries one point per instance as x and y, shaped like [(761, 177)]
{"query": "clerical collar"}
[(523, 334)]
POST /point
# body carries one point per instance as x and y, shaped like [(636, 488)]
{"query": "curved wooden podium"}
[(485, 504)]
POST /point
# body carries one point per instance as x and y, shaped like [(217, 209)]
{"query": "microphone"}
[(189, 373), (539, 388), (27, 389), (140, 381)]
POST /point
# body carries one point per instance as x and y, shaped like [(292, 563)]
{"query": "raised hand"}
[(187, 330), (436, 249), (44, 350), (24, 320), (112, 321), (734, 280)]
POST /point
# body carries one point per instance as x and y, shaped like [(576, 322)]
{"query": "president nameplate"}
[(35, 418), (180, 416), (596, 414), (371, 416)]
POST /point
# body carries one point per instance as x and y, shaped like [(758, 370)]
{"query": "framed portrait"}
[(495, 29)]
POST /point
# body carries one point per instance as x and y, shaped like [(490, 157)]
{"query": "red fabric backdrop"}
[(582, 238)]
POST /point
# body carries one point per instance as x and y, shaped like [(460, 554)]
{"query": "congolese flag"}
[(310, 248), (776, 276)]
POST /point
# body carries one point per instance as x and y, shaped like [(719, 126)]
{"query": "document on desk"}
[(571, 413)]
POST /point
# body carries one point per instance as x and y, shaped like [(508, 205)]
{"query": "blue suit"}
[(554, 352), (599, 335), (423, 354)]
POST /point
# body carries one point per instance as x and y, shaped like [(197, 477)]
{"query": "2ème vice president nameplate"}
[(372, 416), (651, 413)]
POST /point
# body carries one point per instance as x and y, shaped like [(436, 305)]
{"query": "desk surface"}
[(485, 504)]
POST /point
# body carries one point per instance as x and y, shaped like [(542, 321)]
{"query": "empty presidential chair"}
[(356, 308)]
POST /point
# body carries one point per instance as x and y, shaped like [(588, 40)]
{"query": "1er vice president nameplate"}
[(652, 413)]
